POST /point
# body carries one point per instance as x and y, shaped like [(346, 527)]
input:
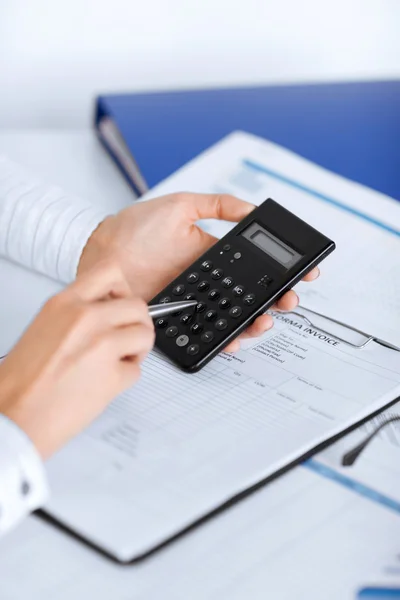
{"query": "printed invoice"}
[(177, 446)]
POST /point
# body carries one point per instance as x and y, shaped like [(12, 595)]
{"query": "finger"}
[(103, 280), (312, 275), (233, 346), (122, 312), (134, 341), (288, 302), (256, 329), (219, 206), (260, 326), (129, 372)]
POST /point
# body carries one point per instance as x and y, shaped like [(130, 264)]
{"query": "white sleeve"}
[(41, 227), (23, 485)]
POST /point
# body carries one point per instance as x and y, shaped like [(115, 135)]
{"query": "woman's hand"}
[(154, 241), (84, 348)]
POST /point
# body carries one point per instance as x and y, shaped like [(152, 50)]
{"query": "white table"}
[(301, 537)]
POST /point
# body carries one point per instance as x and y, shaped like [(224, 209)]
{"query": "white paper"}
[(361, 280), (176, 445), (302, 537)]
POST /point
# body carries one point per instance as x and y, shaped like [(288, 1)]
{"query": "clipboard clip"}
[(368, 338)]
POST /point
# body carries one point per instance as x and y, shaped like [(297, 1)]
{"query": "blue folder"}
[(350, 128)]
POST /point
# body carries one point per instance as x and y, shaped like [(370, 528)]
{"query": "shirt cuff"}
[(23, 483)]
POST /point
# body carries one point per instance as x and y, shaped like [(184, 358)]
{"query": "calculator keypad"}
[(222, 303)]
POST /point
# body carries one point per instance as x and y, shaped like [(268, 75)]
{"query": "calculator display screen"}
[(271, 245)]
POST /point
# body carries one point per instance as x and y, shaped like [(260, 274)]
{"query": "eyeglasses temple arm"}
[(351, 456)]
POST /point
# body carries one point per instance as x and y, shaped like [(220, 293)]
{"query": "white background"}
[(56, 55)]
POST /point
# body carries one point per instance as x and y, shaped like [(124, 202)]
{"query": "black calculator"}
[(236, 280)]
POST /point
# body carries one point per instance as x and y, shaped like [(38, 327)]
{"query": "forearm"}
[(41, 227)]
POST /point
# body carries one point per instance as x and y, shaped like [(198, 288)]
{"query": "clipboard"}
[(230, 500)]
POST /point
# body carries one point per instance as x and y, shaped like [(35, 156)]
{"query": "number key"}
[(192, 277), (224, 303), (178, 290), (185, 319), (203, 286), (214, 295), (201, 307), (210, 315), (196, 328), (161, 323)]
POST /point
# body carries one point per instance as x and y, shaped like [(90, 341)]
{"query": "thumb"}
[(220, 206)]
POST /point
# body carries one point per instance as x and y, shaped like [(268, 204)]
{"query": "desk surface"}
[(320, 547)]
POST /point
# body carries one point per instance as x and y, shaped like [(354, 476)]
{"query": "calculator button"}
[(182, 340), (238, 290), (237, 255), (192, 277), (249, 299), (190, 297), (161, 323), (227, 282), (203, 286), (201, 307), (221, 324), (226, 248), (207, 337), (224, 303), (235, 312), (165, 300), (196, 328), (206, 265), (210, 315), (178, 290), (265, 281), (172, 331), (193, 349), (186, 319), (217, 273), (214, 295)]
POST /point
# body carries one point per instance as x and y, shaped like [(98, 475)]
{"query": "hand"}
[(154, 241), (83, 349)]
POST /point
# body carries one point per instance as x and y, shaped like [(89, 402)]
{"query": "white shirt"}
[(44, 229)]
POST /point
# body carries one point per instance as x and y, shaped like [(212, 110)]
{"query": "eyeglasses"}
[(351, 456)]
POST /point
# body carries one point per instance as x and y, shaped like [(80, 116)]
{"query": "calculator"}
[(235, 281)]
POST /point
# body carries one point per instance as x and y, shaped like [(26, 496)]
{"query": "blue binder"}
[(350, 128)]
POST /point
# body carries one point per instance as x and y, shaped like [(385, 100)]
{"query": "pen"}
[(162, 310)]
